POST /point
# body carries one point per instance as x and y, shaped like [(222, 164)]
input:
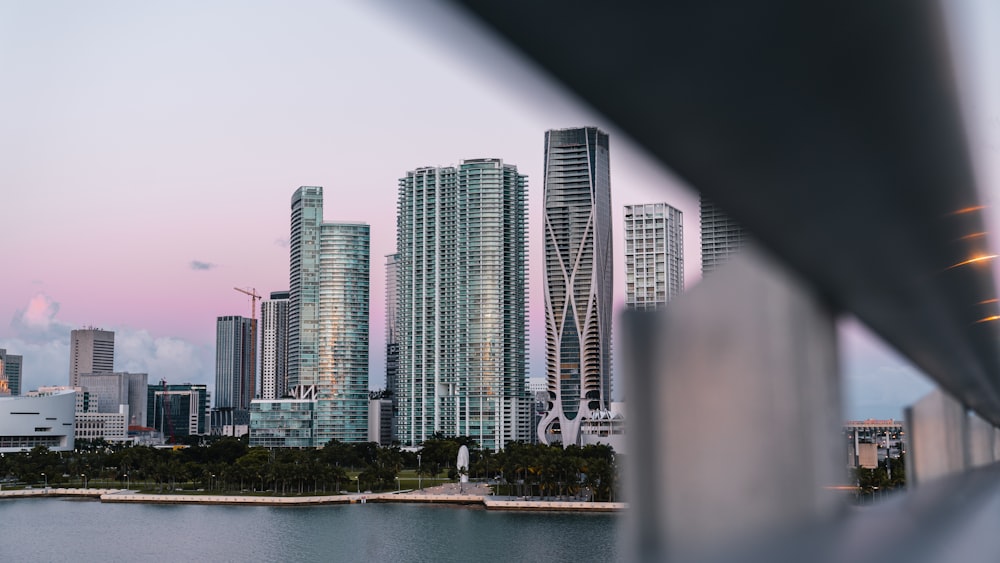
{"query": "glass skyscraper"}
[(461, 303), (654, 255), (578, 278), (235, 374), (274, 346), (328, 319)]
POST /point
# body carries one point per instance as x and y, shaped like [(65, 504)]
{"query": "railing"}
[(832, 133)]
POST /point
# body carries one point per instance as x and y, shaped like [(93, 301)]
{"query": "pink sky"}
[(138, 138)]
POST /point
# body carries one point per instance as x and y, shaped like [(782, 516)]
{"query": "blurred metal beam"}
[(830, 131)]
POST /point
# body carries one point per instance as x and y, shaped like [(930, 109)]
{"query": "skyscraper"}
[(10, 373), (461, 312), (328, 319), (112, 390), (392, 336), (234, 369), (177, 410), (654, 255), (274, 346), (578, 278), (721, 237), (92, 350)]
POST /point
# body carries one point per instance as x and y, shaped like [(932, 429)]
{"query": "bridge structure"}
[(833, 134)]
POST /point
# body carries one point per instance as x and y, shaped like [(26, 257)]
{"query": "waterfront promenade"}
[(451, 493)]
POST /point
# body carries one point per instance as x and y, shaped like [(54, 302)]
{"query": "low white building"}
[(38, 419)]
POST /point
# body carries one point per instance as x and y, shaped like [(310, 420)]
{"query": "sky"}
[(149, 151)]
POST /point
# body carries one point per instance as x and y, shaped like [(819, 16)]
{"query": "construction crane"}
[(254, 298)]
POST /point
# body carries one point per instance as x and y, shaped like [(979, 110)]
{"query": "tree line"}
[(229, 465)]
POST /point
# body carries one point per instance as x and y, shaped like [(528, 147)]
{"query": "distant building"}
[(234, 362), (92, 350), (38, 419), (111, 390), (177, 410), (274, 346), (605, 427), (871, 441), (329, 271), (462, 258), (108, 426), (721, 237), (654, 255), (578, 277), (282, 423), (380, 420), (10, 374), (392, 336)]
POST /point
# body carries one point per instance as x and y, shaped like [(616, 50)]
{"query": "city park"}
[(213, 465)]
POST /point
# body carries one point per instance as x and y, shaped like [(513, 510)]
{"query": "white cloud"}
[(163, 357)]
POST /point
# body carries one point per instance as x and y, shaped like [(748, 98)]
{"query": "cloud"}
[(198, 265), (282, 242), (164, 357), (37, 322)]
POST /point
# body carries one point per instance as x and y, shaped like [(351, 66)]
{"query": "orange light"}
[(973, 260), (989, 319), (988, 301), (968, 209), (973, 235)]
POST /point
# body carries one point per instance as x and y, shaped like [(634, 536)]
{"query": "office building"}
[(274, 346), (282, 423), (10, 373), (721, 237), (38, 419), (92, 350), (392, 336), (578, 278), (328, 319), (461, 310), (654, 255), (177, 410), (109, 391), (234, 362)]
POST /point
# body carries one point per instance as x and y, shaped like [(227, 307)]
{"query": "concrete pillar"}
[(937, 428), (734, 422)]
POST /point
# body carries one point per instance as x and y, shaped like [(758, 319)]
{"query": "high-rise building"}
[(274, 346), (392, 336), (177, 410), (112, 390), (461, 311), (92, 350), (10, 373), (721, 237), (328, 319), (234, 369), (578, 278), (654, 255)]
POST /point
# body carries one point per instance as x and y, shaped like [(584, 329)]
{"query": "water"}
[(85, 530)]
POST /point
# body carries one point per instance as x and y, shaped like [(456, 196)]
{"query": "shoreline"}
[(486, 501)]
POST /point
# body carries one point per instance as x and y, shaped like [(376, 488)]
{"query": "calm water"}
[(81, 530)]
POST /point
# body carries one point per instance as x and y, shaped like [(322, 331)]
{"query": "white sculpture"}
[(463, 464)]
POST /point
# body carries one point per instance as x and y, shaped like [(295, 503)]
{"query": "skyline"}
[(152, 155)]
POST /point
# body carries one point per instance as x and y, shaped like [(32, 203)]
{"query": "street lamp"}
[(128, 482), (358, 479), (46, 480), (211, 483), (398, 487), (84, 480), (420, 481)]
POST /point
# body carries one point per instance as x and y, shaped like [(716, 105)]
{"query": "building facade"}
[(111, 390), (654, 255), (328, 305), (92, 350), (274, 346), (234, 366), (392, 337), (10, 373), (380, 420), (721, 237), (282, 423), (578, 279), (461, 241), (177, 410), (38, 419)]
